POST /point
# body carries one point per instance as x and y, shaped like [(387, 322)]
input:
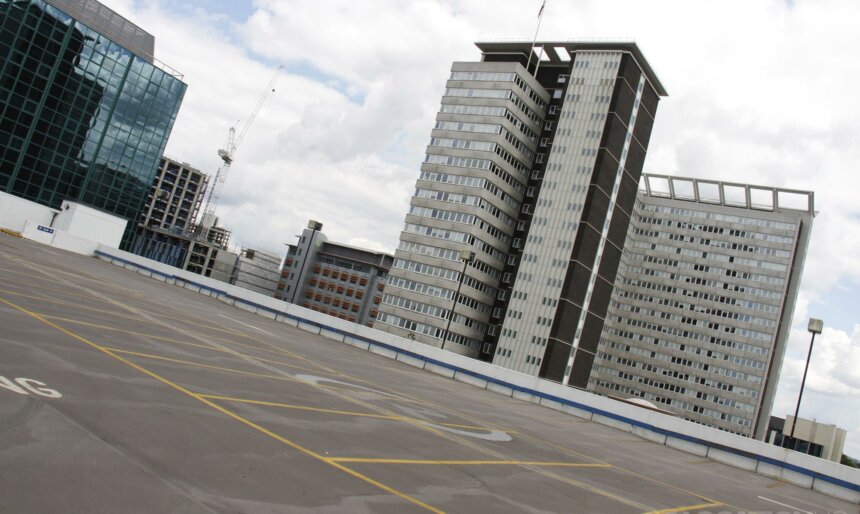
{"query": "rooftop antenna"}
[(534, 40)]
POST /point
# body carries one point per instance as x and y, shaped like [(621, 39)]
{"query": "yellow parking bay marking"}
[(469, 462), (417, 423), (297, 407), (204, 322), (227, 412), (542, 471), (195, 345), (117, 314), (686, 508), (342, 412), (207, 366), (283, 378)]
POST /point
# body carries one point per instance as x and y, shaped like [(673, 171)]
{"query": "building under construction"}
[(167, 232)]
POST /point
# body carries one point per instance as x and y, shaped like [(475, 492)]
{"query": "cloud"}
[(761, 93)]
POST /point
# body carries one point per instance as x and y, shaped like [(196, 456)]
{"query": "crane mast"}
[(227, 154)]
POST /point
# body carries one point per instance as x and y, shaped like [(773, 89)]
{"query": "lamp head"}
[(815, 325)]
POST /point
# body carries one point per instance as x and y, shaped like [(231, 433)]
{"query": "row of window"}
[(415, 306), (502, 94), (752, 377), (746, 276), (462, 180), (438, 233), (743, 220), (474, 110), (490, 76), (626, 390), (714, 229), (714, 311), (433, 251), (426, 269), (421, 288), (463, 144), (440, 214), (685, 237)]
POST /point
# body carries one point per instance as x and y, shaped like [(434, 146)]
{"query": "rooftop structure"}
[(102, 19), (702, 304), (810, 437), (558, 53)]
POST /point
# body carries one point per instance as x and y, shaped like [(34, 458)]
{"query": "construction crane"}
[(228, 153)]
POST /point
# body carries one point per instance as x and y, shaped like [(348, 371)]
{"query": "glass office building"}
[(85, 111)]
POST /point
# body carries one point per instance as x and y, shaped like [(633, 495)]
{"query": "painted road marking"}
[(542, 471), (469, 462), (28, 385), (686, 508), (785, 505), (335, 411), (176, 341), (137, 317), (200, 365), (227, 412), (247, 325), (431, 429)]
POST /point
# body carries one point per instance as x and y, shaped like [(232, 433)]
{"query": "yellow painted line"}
[(335, 411), (346, 389), (201, 365), (686, 508), (298, 407), (10, 232), (231, 414), (195, 345), (203, 322), (469, 462), (116, 314), (633, 473), (460, 440)]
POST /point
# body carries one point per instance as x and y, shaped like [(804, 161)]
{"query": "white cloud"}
[(761, 92)]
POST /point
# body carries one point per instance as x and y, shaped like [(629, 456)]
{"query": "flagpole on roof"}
[(534, 40)]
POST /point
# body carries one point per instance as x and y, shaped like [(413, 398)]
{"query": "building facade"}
[(701, 310), (258, 270), (532, 169), (335, 279), (85, 111)]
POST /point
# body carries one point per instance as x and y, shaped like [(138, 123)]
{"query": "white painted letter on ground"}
[(28, 385)]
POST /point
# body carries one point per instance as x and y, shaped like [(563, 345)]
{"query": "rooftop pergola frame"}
[(729, 194)]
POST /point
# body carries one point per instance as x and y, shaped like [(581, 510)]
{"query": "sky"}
[(760, 92)]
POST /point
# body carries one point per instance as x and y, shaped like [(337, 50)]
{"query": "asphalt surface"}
[(119, 393)]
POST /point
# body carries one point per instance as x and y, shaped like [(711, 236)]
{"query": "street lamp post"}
[(815, 327), (466, 257)]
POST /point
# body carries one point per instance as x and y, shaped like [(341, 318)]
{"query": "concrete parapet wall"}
[(806, 471)]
